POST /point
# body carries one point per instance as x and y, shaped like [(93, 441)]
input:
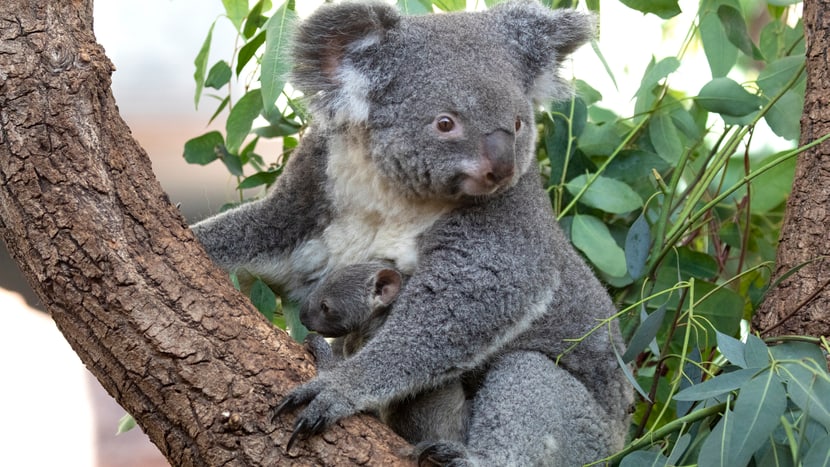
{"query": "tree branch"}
[(123, 277)]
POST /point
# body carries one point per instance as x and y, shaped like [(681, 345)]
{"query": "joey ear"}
[(327, 50), (541, 38), (387, 285)]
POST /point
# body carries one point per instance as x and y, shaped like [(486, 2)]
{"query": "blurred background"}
[(153, 44)]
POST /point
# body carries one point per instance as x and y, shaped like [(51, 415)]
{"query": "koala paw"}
[(321, 350), (443, 454), (325, 406)]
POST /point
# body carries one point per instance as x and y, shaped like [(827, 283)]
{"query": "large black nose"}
[(498, 151)]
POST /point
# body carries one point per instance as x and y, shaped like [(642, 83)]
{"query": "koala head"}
[(349, 297), (444, 102)]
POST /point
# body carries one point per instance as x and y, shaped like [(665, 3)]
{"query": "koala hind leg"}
[(528, 412)]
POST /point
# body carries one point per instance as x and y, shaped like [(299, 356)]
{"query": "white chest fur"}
[(372, 219)]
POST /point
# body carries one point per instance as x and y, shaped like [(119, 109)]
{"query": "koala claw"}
[(302, 429)]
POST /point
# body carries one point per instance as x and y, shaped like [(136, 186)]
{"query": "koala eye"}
[(324, 307), (518, 123), (444, 123)]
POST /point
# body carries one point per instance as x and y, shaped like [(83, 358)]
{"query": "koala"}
[(351, 304), (421, 151)]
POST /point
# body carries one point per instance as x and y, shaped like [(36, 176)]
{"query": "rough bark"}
[(122, 275), (801, 303)]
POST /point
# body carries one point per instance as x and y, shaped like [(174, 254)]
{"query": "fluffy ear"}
[(541, 39), (328, 47), (387, 285)]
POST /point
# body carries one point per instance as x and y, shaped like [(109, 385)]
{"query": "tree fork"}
[(122, 275)]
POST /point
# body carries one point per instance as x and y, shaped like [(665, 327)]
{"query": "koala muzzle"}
[(498, 151)]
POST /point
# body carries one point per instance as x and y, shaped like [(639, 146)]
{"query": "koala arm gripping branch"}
[(255, 237)]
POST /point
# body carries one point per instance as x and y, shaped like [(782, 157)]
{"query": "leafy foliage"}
[(675, 203)]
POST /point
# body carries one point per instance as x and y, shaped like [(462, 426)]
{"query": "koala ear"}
[(541, 38), (387, 285), (327, 52)]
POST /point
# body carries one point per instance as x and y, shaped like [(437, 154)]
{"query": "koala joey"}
[(350, 304), (422, 151)]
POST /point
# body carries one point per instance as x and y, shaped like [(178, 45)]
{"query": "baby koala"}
[(350, 304)]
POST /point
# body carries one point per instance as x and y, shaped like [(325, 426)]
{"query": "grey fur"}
[(351, 304), (495, 286)]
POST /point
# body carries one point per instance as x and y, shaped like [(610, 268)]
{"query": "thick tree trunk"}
[(801, 303), (122, 275)]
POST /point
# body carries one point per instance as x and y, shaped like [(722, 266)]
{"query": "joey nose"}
[(498, 151)]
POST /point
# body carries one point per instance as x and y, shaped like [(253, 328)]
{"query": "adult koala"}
[(422, 153)]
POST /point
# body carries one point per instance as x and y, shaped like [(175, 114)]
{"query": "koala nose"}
[(498, 151)]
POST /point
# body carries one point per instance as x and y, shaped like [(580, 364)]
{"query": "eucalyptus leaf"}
[(784, 117), (742, 431), (241, 119), (637, 245), (655, 72), (720, 53), (665, 138), (644, 334), (735, 28), (756, 353), (236, 10), (248, 51), (201, 65), (717, 386), (275, 62), (819, 453), (263, 299), (203, 149), (726, 97), (644, 459), (592, 237), (663, 8), (219, 75), (778, 73), (415, 7), (606, 194), (125, 424), (450, 5), (811, 392), (732, 349)]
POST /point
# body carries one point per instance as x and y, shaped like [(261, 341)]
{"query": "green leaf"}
[(275, 61), (745, 429), (656, 72), (756, 353), (219, 75), (201, 65), (663, 8), (778, 73), (592, 237), (637, 245), (231, 160), (810, 392), (296, 330), (783, 2), (254, 20), (248, 51), (450, 5), (819, 453), (203, 149), (665, 138), (732, 349), (264, 299), (125, 424), (259, 179), (726, 97), (415, 7), (735, 28), (784, 117), (644, 459), (219, 109), (717, 386), (606, 194), (626, 369), (241, 119), (236, 10), (644, 334), (720, 53)]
